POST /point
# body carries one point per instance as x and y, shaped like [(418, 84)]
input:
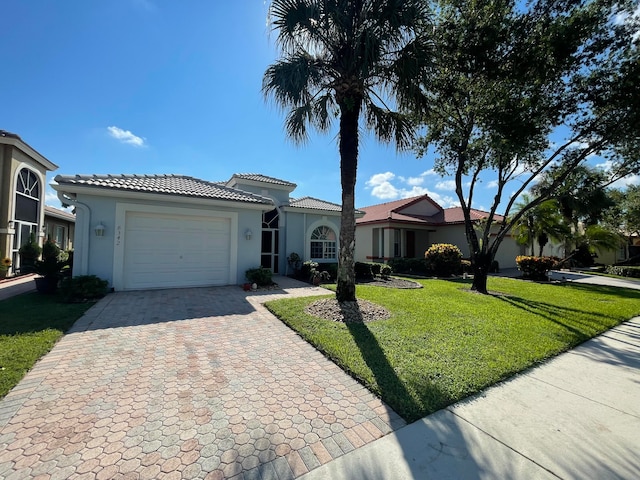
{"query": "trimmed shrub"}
[(536, 268), (83, 288), (443, 259), (260, 276), (415, 266), (363, 270), (330, 268), (623, 271)]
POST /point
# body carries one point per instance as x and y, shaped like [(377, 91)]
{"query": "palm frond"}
[(291, 80), (389, 126)]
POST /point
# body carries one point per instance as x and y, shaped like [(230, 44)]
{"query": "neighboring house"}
[(59, 226), (406, 228), (162, 231), (22, 191)]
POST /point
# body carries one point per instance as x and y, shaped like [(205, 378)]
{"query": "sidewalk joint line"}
[(503, 443)]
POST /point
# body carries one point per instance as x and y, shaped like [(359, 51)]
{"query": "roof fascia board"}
[(68, 217), (166, 197), (318, 211), (255, 183)]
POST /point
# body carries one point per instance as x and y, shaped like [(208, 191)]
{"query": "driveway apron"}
[(189, 383)]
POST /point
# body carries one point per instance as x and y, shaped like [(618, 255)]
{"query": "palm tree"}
[(540, 223), (347, 59)]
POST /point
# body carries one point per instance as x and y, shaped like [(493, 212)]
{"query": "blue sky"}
[(159, 86)]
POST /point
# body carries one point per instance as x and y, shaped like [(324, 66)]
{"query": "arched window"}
[(323, 243), (27, 196)]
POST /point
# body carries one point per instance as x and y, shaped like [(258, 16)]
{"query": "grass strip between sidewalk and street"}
[(444, 342), (30, 325)]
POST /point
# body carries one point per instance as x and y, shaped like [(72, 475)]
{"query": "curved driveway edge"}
[(189, 383)]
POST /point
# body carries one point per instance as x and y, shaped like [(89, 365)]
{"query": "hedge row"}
[(623, 271)]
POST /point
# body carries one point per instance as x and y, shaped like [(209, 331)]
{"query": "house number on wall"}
[(118, 233)]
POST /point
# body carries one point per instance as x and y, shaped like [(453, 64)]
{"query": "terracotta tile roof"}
[(314, 204), (257, 177), (163, 184), (455, 215), (393, 212)]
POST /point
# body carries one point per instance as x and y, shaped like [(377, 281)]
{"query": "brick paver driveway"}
[(192, 383)]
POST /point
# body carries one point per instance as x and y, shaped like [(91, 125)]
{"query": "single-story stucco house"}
[(407, 227), (23, 174), (163, 231)]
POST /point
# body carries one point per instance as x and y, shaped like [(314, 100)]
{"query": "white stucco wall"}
[(101, 250), (298, 229)]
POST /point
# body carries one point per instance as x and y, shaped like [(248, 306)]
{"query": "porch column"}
[(388, 244)]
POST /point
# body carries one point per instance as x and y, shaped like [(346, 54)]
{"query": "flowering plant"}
[(5, 264)]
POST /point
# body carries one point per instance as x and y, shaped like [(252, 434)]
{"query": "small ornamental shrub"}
[(330, 268), (260, 276), (623, 271), (536, 268), (29, 253), (385, 271), (308, 269), (50, 250), (294, 261), (466, 266), (363, 270), (443, 259), (83, 288)]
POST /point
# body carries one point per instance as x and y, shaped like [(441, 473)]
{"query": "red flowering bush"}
[(443, 259), (536, 268)]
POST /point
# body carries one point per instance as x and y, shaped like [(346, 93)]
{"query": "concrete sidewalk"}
[(16, 286), (577, 416)]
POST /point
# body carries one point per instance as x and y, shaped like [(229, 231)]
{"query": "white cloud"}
[(626, 181), (620, 18), (492, 184), (125, 136), (446, 185), (415, 181), (381, 186)]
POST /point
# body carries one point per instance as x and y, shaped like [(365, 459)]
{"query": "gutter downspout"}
[(82, 267)]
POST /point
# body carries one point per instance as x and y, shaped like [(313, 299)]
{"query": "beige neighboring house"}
[(23, 173), (59, 226), (407, 227)]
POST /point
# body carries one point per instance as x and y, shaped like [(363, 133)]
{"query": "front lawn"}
[(30, 325), (444, 343)]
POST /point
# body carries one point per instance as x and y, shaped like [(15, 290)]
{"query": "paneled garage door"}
[(163, 251)]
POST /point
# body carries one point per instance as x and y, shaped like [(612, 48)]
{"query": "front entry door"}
[(269, 253)]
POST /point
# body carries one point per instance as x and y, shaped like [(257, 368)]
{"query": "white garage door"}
[(163, 251)]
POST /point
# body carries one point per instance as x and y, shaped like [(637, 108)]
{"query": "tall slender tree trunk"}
[(480, 260), (349, 116)]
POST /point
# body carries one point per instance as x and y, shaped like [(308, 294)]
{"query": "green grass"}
[(30, 325), (444, 343)]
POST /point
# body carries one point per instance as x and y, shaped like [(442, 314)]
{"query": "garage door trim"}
[(119, 238)]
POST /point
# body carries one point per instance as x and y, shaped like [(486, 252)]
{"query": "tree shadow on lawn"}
[(556, 314), (391, 387)]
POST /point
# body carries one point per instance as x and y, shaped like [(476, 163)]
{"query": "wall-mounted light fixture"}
[(248, 234), (100, 228)]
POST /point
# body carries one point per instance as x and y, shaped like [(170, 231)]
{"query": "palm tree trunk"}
[(349, 115)]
